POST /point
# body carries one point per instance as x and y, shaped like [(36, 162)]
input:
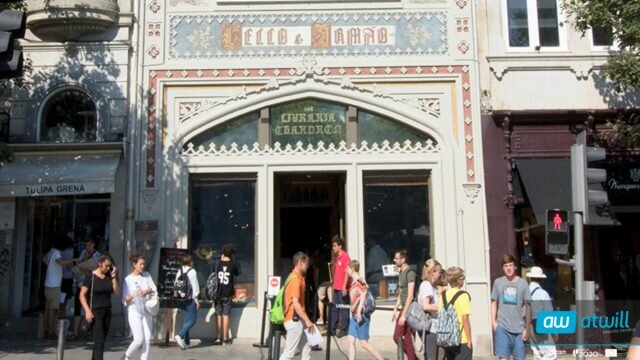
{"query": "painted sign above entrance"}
[(309, 122), (420, 33)]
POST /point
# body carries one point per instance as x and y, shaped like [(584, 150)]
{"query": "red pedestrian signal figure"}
[(557, 222)]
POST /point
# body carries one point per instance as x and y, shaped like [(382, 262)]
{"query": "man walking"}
[(406, 290), (542, 345), (340, 288), (510, 311), (295, 313)]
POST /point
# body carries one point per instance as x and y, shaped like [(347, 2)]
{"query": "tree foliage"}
[(622, 17)]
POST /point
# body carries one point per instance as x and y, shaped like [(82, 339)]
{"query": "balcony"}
[(70, 20)]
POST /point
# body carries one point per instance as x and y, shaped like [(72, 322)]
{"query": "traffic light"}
[(588, 195), (12, 27), (557, 232)]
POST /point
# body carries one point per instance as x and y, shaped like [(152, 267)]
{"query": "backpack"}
[(418, 319), (448, 330), (369, 305), (277, 312), (182, 286), (214, 287)]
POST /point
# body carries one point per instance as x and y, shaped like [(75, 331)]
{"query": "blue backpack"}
[(448, 330)]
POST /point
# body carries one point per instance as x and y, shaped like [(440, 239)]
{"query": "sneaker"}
[(316, 348), (180, 342), (341, 334), (217, 342), (227, 342)]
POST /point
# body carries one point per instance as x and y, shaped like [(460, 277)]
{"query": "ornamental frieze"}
[(402, 33)]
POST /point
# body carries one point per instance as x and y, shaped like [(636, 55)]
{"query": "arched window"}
[(309, 121), (69, 116)]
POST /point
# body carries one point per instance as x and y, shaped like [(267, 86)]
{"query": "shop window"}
[(69, 116), (533, 24), (396, 216), (222, 211), (242, 131), (308, 121), (376, 129)]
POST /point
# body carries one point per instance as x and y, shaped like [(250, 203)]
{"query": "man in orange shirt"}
[(295, 313)]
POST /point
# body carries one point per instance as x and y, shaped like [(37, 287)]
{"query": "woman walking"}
[(135, 291), (359, 324), (190, 305), (95, 297), (429, 298)]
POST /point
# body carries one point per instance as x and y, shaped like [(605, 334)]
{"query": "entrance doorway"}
[(309, 211)]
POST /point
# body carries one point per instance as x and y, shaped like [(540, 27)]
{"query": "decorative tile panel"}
[(401, 33)]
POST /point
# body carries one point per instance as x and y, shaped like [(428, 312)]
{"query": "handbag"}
[(88, 325), (417, 318), (152, 305)]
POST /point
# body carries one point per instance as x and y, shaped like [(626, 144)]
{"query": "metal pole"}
[(61, 334), (328, 353), (276, 346), (264, 319), (578, 239), (400, 348)]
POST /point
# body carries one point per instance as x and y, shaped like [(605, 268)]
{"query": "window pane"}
[(396, 216), (601, 36), (242, 131), (376, 129), (223, 212), (69, 116), (309, 122), (548, 23), (518, 23)]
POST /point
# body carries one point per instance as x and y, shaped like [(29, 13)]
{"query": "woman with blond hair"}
[(461, 301), (359, 324), (429, 298)]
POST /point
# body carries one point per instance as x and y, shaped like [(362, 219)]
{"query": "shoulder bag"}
[(152, 303)]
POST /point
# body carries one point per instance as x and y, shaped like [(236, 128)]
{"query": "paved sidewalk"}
[(18, 342)]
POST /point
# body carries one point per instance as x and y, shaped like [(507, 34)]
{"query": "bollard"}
[(328, 353), (264, 319), (400, 350), (62, 329), (270, 342), (276, 344)]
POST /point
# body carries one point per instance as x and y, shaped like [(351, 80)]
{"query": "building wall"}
[(198, 74)]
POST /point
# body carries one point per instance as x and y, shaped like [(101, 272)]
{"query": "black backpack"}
[(214, 287), (182, 286)]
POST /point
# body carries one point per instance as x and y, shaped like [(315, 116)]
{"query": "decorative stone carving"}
[(471, 191), (426, 147), (70, 20), (150, 195)]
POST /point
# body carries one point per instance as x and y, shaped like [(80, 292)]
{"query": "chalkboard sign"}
[(170, 263)]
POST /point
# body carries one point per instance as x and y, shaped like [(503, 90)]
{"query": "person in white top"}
[(429, 297), (137, 288), (189, 307), (52, 283), (542, 345)]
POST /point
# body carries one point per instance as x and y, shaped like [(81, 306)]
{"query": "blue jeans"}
[(338, 299), (189, 315)]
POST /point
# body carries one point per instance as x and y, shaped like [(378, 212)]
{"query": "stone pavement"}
[(18, 342)]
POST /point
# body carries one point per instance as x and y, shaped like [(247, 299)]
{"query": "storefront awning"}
[(547, 183), (52, 175)]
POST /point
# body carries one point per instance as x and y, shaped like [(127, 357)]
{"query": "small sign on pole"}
[(273, 286)]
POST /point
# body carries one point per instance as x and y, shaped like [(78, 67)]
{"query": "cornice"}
[(579, 64)]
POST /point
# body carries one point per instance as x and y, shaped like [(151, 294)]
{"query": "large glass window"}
[(243, 131), (69, 116), (375, 129), (396, 216), (533, 24), (223, 212)]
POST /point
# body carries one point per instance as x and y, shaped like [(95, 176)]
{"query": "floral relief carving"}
[(153, 52), (461, 3), (471, 191), (463, 47), (154, 7)]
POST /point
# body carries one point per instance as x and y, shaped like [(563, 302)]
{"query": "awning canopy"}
[(547, 183), (52, 175)]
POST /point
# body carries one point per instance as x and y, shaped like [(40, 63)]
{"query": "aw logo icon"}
[(565, 322), (556, 322)]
